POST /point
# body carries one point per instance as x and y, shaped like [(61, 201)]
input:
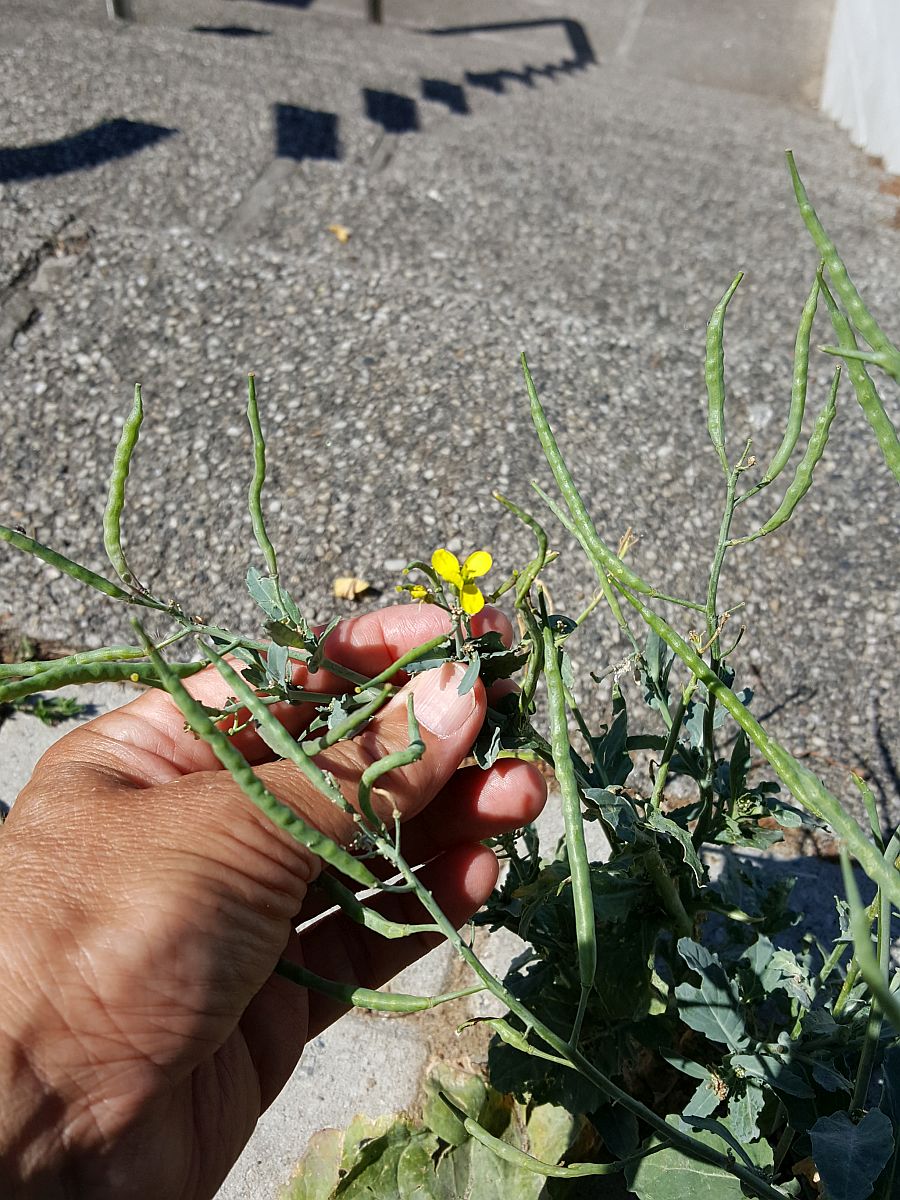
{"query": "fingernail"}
[(438, 706)]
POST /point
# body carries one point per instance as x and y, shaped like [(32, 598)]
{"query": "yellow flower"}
[(417, 592), (460, 577)]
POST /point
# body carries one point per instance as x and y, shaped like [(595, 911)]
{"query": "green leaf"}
[(276, 663), (713, 1009), (616, 810), (671, 1175), (466, 1090), (264, 591), (780, 1075), (745, 1104), (851, 1157), (705, 1099), (671, 829), (471, 674), (551, 1131), (415, 1168)]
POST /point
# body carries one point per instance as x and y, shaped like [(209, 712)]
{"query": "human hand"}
[(146, 903)]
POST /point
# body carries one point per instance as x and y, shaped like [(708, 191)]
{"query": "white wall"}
[(861, 90)]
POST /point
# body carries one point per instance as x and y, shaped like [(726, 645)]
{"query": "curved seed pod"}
[(91, 672), (520, 1158), (359, 997), (115, 498), (803, 476), (576, 848), (243, 774), (254, 499), (866, 392), (400, 758), (534, 568), (363, 915), (28, 545), (612, 564), (715, 373), (353, 722), (843, 284), (404, 660), (798, 388)]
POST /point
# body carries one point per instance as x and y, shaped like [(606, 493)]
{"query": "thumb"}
[(448, 724)]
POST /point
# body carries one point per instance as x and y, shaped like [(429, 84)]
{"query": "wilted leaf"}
[(851, 1157), (671, 829), (318, 1172), (349, 587)]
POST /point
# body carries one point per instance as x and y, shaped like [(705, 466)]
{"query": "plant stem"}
[(668, 892), (671, 743)]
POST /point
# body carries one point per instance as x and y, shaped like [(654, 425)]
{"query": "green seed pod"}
[(715, 374), (798, 388), (115, 499), (803, 476)]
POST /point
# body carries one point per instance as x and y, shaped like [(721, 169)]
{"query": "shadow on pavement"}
[(102, 143), (231, 31), (305, 133)]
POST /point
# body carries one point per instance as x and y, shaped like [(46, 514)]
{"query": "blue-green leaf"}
[(713, 1009), (851, 1157)]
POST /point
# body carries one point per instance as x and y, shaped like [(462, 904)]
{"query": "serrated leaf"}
[(672, 1175), (851, 1157), (713, 1009)]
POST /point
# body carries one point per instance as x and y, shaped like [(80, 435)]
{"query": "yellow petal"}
[(477, 564), (447, 566), (472, 599), (417, 592), (341, 232)]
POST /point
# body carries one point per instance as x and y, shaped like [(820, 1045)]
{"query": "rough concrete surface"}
[(583, 189)]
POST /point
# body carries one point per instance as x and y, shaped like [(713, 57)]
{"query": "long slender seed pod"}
[(241, 771), (798, 388), (797, 778), (115, 496), (254, 499), (278, 739), (527, 1162), (404, 660), (567, 523), (345, 728), (576, 848), (359, 997), (843, 284), (803, 476), (869, 966), (400, 758), (363, 915), (576, 506), (91, 672), (534, 568), (22, 670), (866, 392), (714, 371), (28, 545)]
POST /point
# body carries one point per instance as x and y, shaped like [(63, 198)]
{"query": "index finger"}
[(146, 743)]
